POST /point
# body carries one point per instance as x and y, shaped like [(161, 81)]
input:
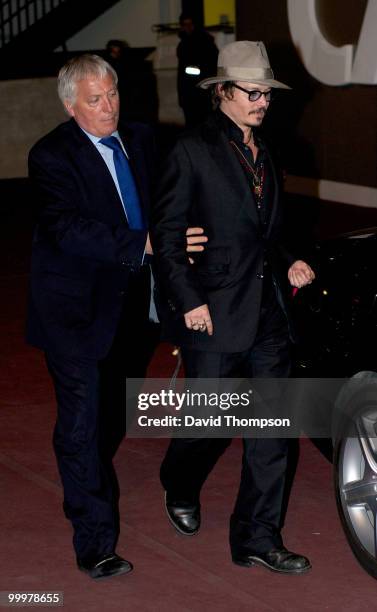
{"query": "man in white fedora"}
[(230, 311)]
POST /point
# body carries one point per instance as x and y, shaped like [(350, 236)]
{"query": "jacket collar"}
[(233, 132), (217, 139), (92, 157)]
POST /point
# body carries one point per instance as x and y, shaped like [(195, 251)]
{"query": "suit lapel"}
[(274, 204), (98, 177), (230, 169)]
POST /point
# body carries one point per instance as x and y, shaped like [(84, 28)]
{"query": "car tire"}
[(355, 466)]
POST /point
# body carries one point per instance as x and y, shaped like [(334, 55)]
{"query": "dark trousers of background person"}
[(91, 423), (257, 515)]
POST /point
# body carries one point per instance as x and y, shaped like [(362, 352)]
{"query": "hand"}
[(195, 238), (148, 246), (300, 274), (199, 319)]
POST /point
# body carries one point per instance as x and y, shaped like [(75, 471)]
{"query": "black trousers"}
[(256, 520), (91, 423)]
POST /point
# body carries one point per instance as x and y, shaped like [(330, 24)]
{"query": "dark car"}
[(337, 323)]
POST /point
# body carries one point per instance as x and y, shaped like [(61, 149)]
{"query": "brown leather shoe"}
[(277, 560)]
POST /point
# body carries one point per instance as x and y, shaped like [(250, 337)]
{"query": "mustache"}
[(261, 111)]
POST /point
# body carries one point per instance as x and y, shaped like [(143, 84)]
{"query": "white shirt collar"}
[(96, 139)]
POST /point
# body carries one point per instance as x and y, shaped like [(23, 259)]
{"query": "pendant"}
[(257, 189)]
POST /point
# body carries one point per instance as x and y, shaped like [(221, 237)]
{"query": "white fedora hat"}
[(244, 60)]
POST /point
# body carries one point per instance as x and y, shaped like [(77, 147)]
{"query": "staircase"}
[(32, 29)]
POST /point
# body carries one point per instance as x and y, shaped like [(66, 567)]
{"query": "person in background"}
[(137, 85), (197, 58), (115, 50)]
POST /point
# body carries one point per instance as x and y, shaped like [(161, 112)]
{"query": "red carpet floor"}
[(172, 573)]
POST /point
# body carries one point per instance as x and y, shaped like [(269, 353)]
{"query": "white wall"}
[(130, 20)]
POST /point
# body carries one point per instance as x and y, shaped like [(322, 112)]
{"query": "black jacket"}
[(202, 184), (83, 251)]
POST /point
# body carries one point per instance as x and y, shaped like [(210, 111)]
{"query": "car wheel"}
[(355, 466)]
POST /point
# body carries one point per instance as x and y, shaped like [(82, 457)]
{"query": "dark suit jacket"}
[(203, 185), (83, 251)]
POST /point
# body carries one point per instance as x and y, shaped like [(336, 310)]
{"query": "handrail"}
[(174, 27), (18, 15)]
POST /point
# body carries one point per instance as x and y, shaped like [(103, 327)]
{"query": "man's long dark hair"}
[(228, 89)]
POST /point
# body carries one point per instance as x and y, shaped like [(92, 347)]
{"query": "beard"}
[(256, 117)]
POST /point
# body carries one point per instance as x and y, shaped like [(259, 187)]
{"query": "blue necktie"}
[(131, 201)]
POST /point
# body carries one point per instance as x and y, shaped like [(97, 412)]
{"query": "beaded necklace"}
[(257, 175)]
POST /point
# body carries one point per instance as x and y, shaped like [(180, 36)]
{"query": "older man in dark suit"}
[(90, 293), (230, 312)]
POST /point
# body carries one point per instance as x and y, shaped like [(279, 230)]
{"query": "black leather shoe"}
[(184, 516), (105, 566), (277, 560)]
